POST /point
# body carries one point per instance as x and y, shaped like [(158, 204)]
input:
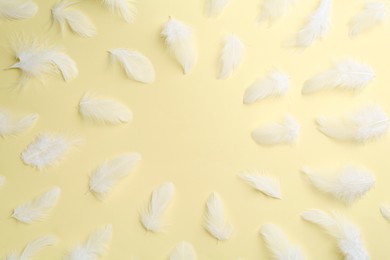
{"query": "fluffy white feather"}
[(373, 14), (14, 127), (183, 251), (348, 185), (109, 173), (347, 74), (179, 39), (366, 124), (104, 110), (385, 211), (215, 222), (151, 218), (2, 181), (32, 248), (78, 22), (136, 65), (277, 133), (264, 183), (215, 7), (347, 235), (278, 243), (231, 56), (95, 246), (272, 85), (17, 9), (125, 8), (273, 10), (38, 208)]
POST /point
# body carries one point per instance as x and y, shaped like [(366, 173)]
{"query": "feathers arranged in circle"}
[(183, 251), (32, 248), (273, 10), (347, 235), (10, 127), (109, 173), (104, 110), (17, 9), (38, 208), (273, 84), (349, 185), (385, 211), (2, 180), (215, 7), (215, 222), (264, 183), (373, 14), (179, 39), (124, 8), (366, 124), (95, 246), (278, 243), (78, 22), (136, 65), (151, 217), (347, 74), (231, 56), (277, 133)]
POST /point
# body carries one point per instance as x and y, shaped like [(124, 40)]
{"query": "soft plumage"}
[(273, 10), (183, 251), (231, 56), (2, 180), (262, 182), (125, 8), (215, 221), (285, 132), (32, 248), (385, 211), (17, 9), (215, 7), (11, 127)]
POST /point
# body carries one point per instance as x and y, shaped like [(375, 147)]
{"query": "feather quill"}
[(264, 183), (348, 236), (215, 7), (96, 245), (366, 124), (38, 208), (273, 10), (385, 211), (124, 8), (109, 173), (231, 56), (10, 127), (32, 248), (179, 39), (277, 133), (278, 244), (215, 222), (17, 9), (136, 65), (183, 251), (274, 84)]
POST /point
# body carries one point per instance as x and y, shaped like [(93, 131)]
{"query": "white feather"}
[(373, 14), (104, 110), (32, 248), (151, 217), (273, 10), (231, 56), (215, 7), (348, 185), (273, 84), (348, 236), (38, 208), (278, 243), (347, 74), (264, 183), (109, 173), (179, 39), (277, 133), (124, 8), (95, 246), (17, 9), (215, 222), (385, 211), (366, 124), (78, 22), (2, 181), (136, 65), (183, 251), (14, 127)]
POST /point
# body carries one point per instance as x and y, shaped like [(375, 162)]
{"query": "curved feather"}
[(385, 211), (11, 127), (32, 248), (183, 251), (124, 8), (17, 9), (277, 133), (215, 222), (232, 55), (264, 183), (273, 10), (215, 7)]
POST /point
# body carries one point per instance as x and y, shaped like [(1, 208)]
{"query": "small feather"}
[(161, 196), (215, 222), (2, 181), (232, 55), (124, 8), (11, 127), (183, 251), (385, 211), (262, 182), (273, 10), (17, 9), (277, 133), (215, 7), (32, 248)]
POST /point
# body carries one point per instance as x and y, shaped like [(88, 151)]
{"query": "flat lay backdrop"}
[(192, 130)]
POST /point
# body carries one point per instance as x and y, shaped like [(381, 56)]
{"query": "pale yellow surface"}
[(192, 130)]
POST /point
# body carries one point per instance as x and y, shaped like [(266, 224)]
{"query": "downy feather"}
[(231, 56), (124, 8), (38, 208), (348, 185), (151, 218), (17, 9), (348, 236), (32, 248), (385, 211), (78, 22), (366, 124), (273, 10), (215, 222), (179, 39), (104, 110), (262, 182), (215, 7), (94, 247), (278, 244), (14, 127), (109, 173), (347, 75), (2, 181), (135, 64), (272, 85), (277, 133), (183, 251)]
